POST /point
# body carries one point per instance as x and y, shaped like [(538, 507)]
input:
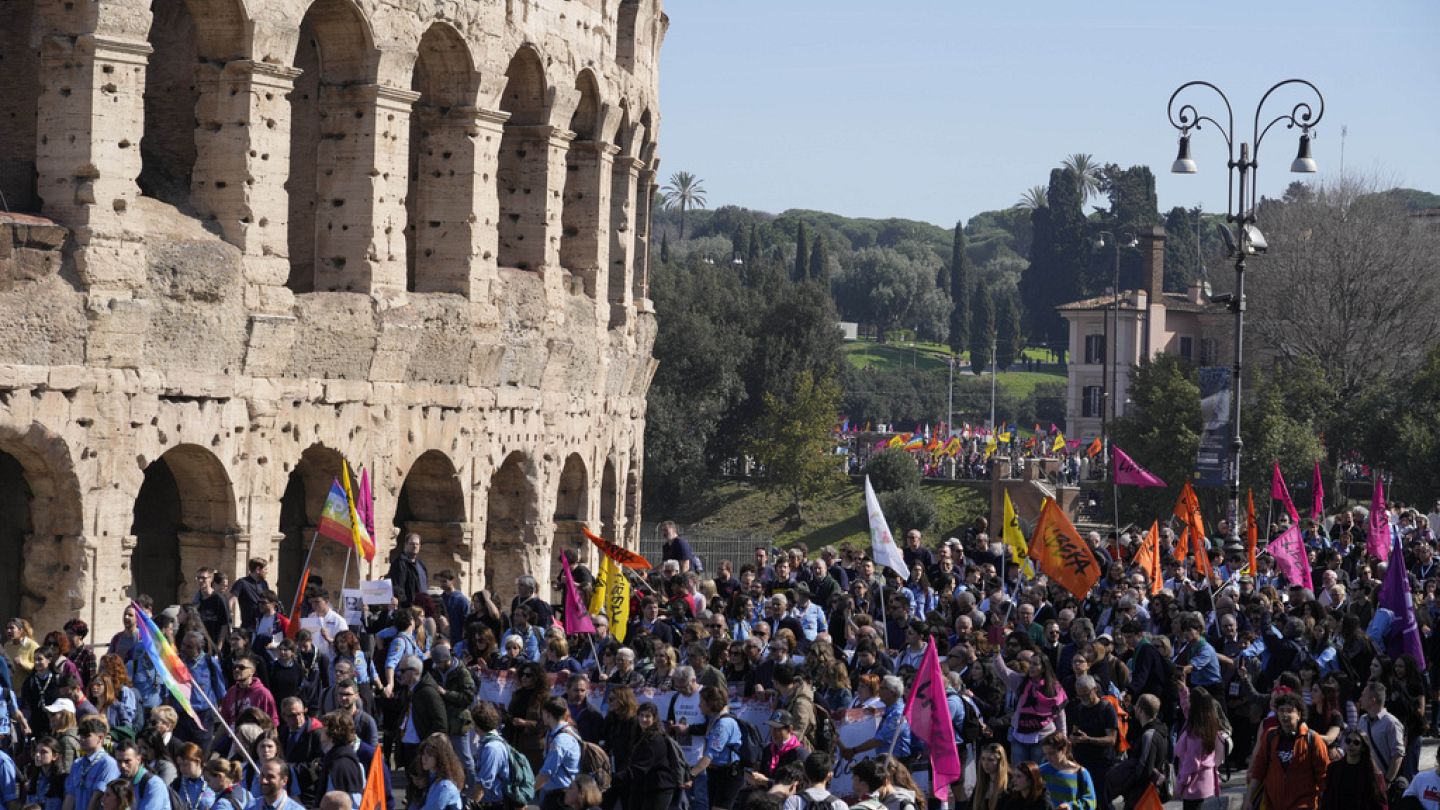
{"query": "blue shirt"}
[(813, 621), (891, 722), (403, 645), (285, 803), (722, 742), (206, 672), (1206, 664), (562, 757), (531, 639), (443, 795), (89, 776), (457, 610), (492, 767), (150, 791), (195, 793), (143, 678), (9, 779)]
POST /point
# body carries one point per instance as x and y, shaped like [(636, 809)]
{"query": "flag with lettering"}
[(1404, 635), (577, 618), (882, 543), (618, 553), (1290, 558), (1147, 559), (1281, 493), (1059, 551), (1014, 539), (928, 713), (1319, 485), (1130, 474), (1377, 543)]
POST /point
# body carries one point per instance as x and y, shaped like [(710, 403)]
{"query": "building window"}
[(1090, 399), (1187, 349), (1094, 349), (1209, 352)]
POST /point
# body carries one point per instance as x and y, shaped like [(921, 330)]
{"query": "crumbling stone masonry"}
[(243, 240)]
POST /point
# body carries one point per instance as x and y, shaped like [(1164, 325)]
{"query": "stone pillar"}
[(219, 550), (531, 165), (485, 244), (447, 227), (360, 184), (585, 241), (242, 142), (557, 152), (625, 176), (640, 262)]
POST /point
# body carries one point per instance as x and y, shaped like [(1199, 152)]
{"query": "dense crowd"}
[(1056, 703)]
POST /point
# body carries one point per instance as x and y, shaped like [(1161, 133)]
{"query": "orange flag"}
[(1187, 508), (1182, 546), (1150, 799), (1094, 449), (1148, 558), (294, 626), (1057, 549), (374, 796), (1252, 531), (619, 554)]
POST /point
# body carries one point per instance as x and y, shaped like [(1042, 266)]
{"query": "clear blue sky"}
[(938, 110)]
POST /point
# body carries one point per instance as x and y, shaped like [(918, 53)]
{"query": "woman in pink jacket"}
[(1200, 749)]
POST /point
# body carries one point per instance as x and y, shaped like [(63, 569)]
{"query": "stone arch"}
[(572, 509), (41, 523), (184, 518), (184, 35), (512, 537), (627, 30), (440, 192), (337, 59), (522, 172), (305, 492), (581, 214), (432, 504), (19, 105), (609, 501)]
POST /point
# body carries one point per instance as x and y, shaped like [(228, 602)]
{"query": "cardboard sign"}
[(352, 606), (853, 727), (313, 624), (376, 592)]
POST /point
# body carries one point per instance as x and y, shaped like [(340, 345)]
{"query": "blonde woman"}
[(20, 647)]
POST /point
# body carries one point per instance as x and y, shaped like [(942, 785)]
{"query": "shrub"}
[(909, 508), (892, 469)]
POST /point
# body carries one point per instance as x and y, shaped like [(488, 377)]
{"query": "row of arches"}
[(436, 170), (186, 514)]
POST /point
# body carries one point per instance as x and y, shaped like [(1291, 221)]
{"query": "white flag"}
[(882, 544)]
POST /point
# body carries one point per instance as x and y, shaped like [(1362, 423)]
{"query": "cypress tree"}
[(820, 264), (802, 257), (752, 255), (1059, 255), (959, 291), (982, 327), (1007, 330), (665, 248)]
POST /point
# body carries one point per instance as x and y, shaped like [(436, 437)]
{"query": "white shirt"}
[(332, 623), (1426, 787)]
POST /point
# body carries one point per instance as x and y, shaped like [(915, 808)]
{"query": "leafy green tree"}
[(1183, 260), (959, 292), (684, 192), (1033, 198), (1087, 174), (1161, 431), (1008, 338), (892, 469), (802, 257), (1276, 427), (1058, 257), (982, 327), (891, 288), (820, 263), (902, 396), (909, 508), (792, 440), (752, 247)]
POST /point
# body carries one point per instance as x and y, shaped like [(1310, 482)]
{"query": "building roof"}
[(1180, 302)]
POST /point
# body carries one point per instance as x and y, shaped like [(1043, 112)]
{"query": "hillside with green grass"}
[(836, 518)]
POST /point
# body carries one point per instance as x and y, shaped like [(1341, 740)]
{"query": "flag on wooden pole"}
[(1252, 530), (1377, 542), (293, 626), (882, 544), (1319, 484), (1130, 474), (1281, 493), (1059, 551), (577, 619), (928, 714), (374, 796), (1014, 539), (1147, 559)]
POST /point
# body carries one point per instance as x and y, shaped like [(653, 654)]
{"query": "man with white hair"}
[(892, 722), (525, 594)]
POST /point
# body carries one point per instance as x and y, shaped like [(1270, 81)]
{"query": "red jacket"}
[(239, 699)]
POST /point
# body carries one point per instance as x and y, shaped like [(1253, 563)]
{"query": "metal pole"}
[(950, 399), (992, 383), (1237, 305), (1114, 351)]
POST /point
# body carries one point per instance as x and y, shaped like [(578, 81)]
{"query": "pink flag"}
[(366, 505), (1281, 493), (577, 618), (1290, 558), (1319, 510), (1377, 543), (1130, 474), (928, 714)]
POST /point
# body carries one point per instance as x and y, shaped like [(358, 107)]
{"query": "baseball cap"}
[(781, 719), (62, 705)]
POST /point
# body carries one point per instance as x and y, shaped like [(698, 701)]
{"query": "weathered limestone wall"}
[(270, 237)]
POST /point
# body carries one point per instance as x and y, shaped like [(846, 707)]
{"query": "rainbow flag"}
[(166, 661), (339, 522)]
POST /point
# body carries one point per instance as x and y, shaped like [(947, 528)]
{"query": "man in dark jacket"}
[(340, 769), (408, 576), (249, 592), (300, 746), (422, 714), (457, 689)]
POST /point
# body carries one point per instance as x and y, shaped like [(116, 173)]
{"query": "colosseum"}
[(243, 240)]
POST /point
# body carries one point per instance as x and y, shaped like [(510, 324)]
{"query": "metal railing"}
[(710, 545)]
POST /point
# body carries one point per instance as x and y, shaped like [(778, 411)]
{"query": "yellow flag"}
[(617, 594), (358, 535), (990, 447), (602, 584), (1058, 444), (1015, 540)]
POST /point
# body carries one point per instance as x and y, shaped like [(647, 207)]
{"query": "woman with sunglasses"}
[(1353, 781)]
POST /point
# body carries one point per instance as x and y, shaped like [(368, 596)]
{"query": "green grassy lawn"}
[(837, 518), (932, 357)]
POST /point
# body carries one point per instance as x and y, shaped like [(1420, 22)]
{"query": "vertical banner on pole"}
[(1212, 461)]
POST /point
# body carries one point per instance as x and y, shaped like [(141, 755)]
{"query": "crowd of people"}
[(1056, 702)]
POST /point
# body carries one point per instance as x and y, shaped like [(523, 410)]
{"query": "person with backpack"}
[(562, 754), (815, 795), (503, 778), (721, 760), (1148, 760), (1094, 730), (223, 778), (151, 792), (1290, 761), (873, 783), (655, 766), (785, 748)]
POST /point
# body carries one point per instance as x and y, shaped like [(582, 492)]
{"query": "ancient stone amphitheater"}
[(243, 240)]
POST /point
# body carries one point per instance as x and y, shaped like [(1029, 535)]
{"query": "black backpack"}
[(823, 734), (175, 800), (752, 745), (972, 728)]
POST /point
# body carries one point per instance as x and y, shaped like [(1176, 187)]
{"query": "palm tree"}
[(684, 192), (1033, 198), (1087, 174)]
